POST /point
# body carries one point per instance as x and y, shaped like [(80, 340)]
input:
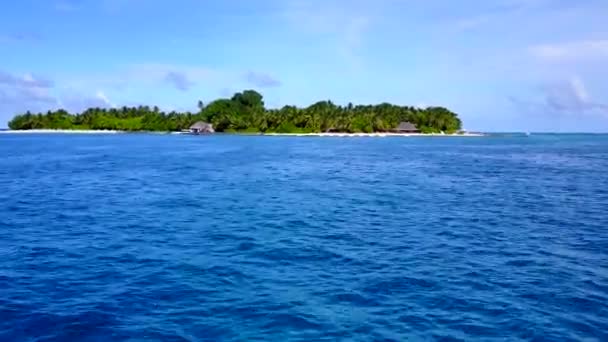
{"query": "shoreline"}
[(381, 135), (62, 131)]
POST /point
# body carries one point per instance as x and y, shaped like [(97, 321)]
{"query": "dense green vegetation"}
[(245, 112)]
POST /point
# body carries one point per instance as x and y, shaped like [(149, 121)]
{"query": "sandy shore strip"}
[(61, 131), (382, 135)]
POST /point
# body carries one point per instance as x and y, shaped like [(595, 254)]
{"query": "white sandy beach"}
[(380, 135), (60, 131)]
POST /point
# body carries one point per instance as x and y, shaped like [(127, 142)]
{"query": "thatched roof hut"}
[(201, 127), (406, 127)]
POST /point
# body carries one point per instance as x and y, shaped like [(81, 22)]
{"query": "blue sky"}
[(530, 65)]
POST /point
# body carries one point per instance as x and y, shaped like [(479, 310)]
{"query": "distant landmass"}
[(245, 112)]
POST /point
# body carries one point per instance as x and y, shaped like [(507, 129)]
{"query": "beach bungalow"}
[(201, 127), (406, 127)]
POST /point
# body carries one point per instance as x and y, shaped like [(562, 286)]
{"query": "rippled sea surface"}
[(186, 238)]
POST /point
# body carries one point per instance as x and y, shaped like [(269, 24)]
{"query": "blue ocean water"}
[(216, 238)]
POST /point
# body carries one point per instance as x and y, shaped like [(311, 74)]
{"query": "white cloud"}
[(100, 95), (158, 71), (587, 49), (500, 11), (29, 92), (65, 6), (21, 93), (179, 80), (564, 98), (572, 98), (180, 77), (473, 22), (77, 102), (19, 37), (262, 80), (579, 90), (25, 81), (341, 25)]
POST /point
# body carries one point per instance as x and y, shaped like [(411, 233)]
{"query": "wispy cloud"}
[(180, 77), (19, 37), (101, 96), (77, 102), (344, 25), (571, 96), (179, 80), (66, 6), (586, 49), (525, 19), (567, 98), (473, 22), (26, 92), (498, 10), (26, 81), (108, 6), (114, 6), (30, 96), (19, 94), (262, 80)]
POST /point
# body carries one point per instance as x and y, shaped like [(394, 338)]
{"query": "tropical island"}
[(245, 112)]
